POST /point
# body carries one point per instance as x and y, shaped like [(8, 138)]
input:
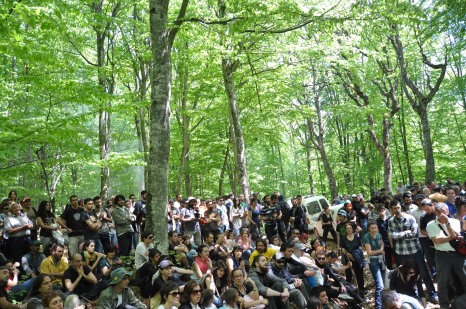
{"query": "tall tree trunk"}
[(309, 170), (222, 172), (228, 69), (418, 100), (159, 151), (282, 172), (405, 143)]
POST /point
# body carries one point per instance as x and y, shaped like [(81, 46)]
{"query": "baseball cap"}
[(278, 256), (165, 264), (354, 195), (118, 274), (300, 246), (342, 212), (420, 197)]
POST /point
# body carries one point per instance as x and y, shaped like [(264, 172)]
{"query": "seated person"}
[(55, 266), (41, 287), (31, 261), (17, 291), (406, 279), (202, 263), (247, 290), (80, 280), (274, 288), (91, 257), (5, 301), (145, 273), (118, 292), (236, 260), (261, 249), (110, 262), (391, 299), (177, 249), (169, 296), (141, 254)]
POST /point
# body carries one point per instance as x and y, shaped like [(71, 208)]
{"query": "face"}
[(210, 238), (451, 194), (288, 252), (48, 206), (98, 203), (294, 233), (174, 297), (299, 200), (241, 197), (35, 248), (89, 205), (262, 264), (74, 202), (374, 229), (196, 294), (276, 241), (174, 237), (55, 303), (441, 212), (407, 200), (220, 272), (349, 229), (58, 253), (77, 261), (13, 196), (4, 274), (396, 210), (156, 258), (238, 277), (411, 274), (320, 259), (245, 234), (280, 263), (91, 247), (205, 252), (323, 298), (341, 218), (238, 253), (209, 205), (124, 282), (260, 247), (46, 286), (167, 271), (121, 202), (15, 210)]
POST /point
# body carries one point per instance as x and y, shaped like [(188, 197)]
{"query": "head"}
[(287, 249), (409, 270), (299, 249), (395, 208), (441, 208), (170, 292), (341, 216), (35, 246), (53, 301), (166, 268), (348, 206), (245, 233), (88, 204), (14, 209), (119, 200), (407, 198), (279, 260), (89, 246), (44, 208), (275, 240), (230, 296), (207, 297), (237, 252), (427, 205), (74, 201), (314, 303), (391, 300), (120, 278), (260, 263), (320, 258), (372, 227), (12, 195), (147, 237), (261, 245), (57, 252), (76, 261), (203, 251), (4, 275), (319, 292), (154, 256), (350, 228), (191, 293), (238, 276), (209, 238), (42, 285)]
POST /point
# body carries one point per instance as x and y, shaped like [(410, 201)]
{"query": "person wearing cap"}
[(274, 288), (118, 292), (18, 227), (190, 221), (165, 271), (278, 267), (31, 261)]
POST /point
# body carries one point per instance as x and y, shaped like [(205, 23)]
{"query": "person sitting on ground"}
[(141, 254), (169, 296), (110, 262), (261, 249), (321, 294), (55, 266), (80, 280), (231, 299), (274, 288), (17, 290), (5, 301), (165, 272), (247, 290), (314, 303), (275, 243), (177, 249), (41, 287), (392, 299), (53, 301), (191, 296), (92, 258), (31, 261), (145, 273), (406, 280), (202, 264), (236, 260), (118, 292), (219, 282)]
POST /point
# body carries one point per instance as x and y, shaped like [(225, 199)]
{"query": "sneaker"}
[(345, 297)]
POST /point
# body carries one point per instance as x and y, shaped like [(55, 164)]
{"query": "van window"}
[(323, 202), (313, 207)]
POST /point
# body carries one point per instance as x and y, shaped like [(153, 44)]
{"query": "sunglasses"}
[(280, 262), (194, 292), (321, 258), (174, 294)]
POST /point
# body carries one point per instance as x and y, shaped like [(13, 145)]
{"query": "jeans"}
[(325, 235), (378, 269), (418, 257), (429, 253)]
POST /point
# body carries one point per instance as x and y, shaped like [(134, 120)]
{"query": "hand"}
[(119, 262), (309, 273), (80, 271), (298, 282), (68, 230), (285, 294), (264, 301), (350, 264), (442, 218), (343, 289)]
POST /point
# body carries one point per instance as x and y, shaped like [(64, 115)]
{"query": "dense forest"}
[(208, 97)]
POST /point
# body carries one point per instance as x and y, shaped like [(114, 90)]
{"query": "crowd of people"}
[(230, 252)]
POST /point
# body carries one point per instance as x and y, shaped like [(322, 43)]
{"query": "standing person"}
[(297, 216), (327, 225), (91, 224), (442, 231), (18, 226), (382, 224), (105, 219), (13, 196), (70, 220), (124, 230), (236, 216), (190, 220), (111, 225), (212, 220), (31, 213), (118, 293), (451, 196), (254, 220), (374, 245), (279, 218), (426, 243), (351, 247), (268, 215), (134, 224), (46, 222), (403, 230), (223, 211), (140, 211)]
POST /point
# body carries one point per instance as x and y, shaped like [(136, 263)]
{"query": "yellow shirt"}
[(268, 255), (49, 267)]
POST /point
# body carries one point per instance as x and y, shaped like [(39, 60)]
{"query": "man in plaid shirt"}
[(403, 229)]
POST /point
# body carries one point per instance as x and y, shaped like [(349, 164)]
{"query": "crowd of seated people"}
[(232, 253)]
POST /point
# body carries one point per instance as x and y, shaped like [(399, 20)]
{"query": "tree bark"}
[(228, 69), (159, 151)]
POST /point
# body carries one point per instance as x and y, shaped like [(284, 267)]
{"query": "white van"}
[(314, 205)]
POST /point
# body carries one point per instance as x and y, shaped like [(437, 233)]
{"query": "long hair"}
[(37, 284), (166, 289), (406, 267), (188, 289), (224, 281), (43, 212)]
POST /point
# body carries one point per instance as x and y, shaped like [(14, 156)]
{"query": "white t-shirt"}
[(141, 254)]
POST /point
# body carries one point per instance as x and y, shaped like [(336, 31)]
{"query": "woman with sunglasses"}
[(191, 296), (141, 254), (406, 280), (169, 296)]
